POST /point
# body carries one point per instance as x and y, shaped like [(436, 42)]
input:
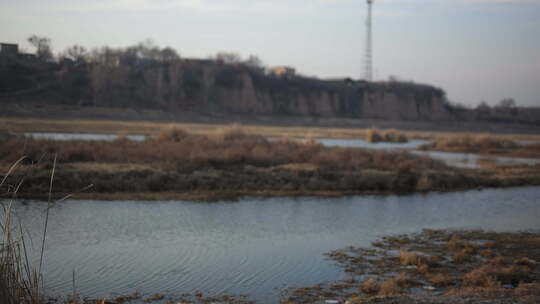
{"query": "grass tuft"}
[(375, 135), (20, 282), (369, 286), (389, 287), (407, 258), (441, 280)]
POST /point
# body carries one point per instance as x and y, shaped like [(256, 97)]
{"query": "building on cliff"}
[(283, 71), (9, 50)]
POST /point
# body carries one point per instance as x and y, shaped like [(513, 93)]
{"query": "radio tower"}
[(369, 56)]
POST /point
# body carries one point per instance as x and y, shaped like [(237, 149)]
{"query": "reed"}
[(487, 144), (20, 280)]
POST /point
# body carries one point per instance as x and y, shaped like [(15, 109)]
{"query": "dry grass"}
[(404, 281), (375, 135), (230, 159), (461, 257), (172, 135), (497, 261), (19, 125), (457, 244), (464, 255), (154, 298), (494, 145), (20, 282), (474, 143), (513, 273), (128, 298), (490, 275), (407, 258), (389, 287), (234, 160), (441, 280), (424, 269), (528, 289), (369, 286)]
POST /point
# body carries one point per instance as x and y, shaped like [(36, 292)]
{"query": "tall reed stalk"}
[(20, 281)]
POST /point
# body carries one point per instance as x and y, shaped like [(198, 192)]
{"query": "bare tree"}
[(76, 53), (168, 54), (43, 47), (507, 103), (228, 58), (254, 62), (483, 107), (146, 50)]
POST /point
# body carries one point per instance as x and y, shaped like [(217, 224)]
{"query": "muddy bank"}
[(148, 184), (436, 266)]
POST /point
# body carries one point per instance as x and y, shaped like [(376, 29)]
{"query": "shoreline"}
[(230, 196), (424, 130), (435, 266)]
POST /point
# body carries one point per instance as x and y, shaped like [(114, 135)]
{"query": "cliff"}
[(210, 86)]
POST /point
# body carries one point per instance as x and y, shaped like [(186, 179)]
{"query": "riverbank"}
[(485, 145), (232, 163), (436, 266), (263, 128)]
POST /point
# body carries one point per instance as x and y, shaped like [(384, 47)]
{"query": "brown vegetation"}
[(20, 281), (484, 144), (375, 135), (231, 162), (389, 287), (369, 286), (513, 275), (407, 258), (441, 280), (120, 127)]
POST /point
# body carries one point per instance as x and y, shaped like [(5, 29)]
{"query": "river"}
[(254, 246)]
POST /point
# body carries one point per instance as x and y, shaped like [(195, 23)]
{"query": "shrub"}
[(389, 287), (486, 275), (407, 258), (369, 286), (424, 269), (174, 135), (375, 135), (469, 143), (441, 280)]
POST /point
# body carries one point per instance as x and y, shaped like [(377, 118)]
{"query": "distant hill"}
[(123, 80)]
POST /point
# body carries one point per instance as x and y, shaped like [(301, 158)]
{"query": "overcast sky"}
[(474, 49)]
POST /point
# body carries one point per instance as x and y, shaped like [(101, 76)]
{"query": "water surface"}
[(81, 136), (455, 159), (359, 143), (255, 246)]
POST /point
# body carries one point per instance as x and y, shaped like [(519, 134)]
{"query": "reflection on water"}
[(81, 136), (359, 143), (254, 246), (470, 160)]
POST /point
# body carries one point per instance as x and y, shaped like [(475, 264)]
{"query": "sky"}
[(476, 50)]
